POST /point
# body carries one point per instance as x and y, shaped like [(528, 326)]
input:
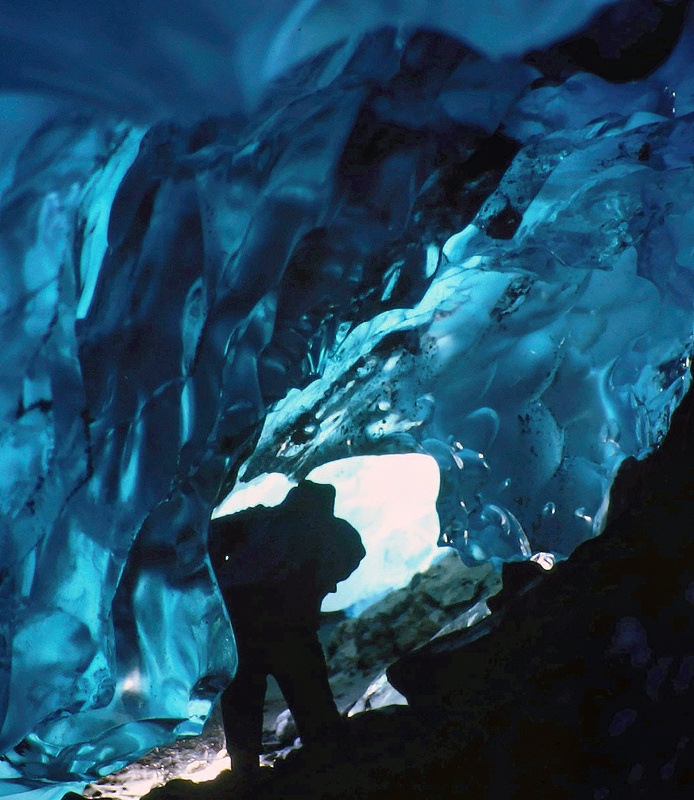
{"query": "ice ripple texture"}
[(402, 248)]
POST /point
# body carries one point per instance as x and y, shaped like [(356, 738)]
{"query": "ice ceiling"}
[(394, 242)]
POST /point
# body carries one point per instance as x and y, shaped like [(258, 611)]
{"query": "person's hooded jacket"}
[(275, 565)]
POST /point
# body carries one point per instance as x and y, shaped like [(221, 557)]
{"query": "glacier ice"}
[(397, 246), (535, 362), (164, 58)]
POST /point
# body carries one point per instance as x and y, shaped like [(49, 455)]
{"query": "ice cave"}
[(241, 240)]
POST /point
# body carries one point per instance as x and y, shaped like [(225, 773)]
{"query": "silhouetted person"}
[(274, 567)]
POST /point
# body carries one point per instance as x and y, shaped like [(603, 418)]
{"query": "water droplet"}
[(549, 510), (384, 405), (545, 560), (580, 513), (611, 450)]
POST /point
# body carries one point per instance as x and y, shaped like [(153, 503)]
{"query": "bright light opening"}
[(389, 499)]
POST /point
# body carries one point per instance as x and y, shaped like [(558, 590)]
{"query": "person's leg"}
[(300, 670), (242, 713)]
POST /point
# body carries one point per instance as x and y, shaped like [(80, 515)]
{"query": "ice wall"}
[(166, 58), (437, 253), (552, 343)]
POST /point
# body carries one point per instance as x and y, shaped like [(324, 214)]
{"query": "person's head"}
[(310, 494)]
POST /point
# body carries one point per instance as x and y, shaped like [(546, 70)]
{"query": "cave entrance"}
[(389, 499)]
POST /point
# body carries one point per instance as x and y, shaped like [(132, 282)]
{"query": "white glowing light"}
[(132, 681), (389, 499), (198, 771), (267, 490)]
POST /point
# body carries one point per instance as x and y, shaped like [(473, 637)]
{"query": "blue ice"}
[(217, 262)]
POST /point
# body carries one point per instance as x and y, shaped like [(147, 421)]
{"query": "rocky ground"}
[(358, 650)]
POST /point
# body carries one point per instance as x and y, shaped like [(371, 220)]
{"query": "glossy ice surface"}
[(396, 246)]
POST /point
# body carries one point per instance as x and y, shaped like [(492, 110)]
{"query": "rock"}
[(391, 606), (409, 617), (380, 693), (285, 728), (408, 637)]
